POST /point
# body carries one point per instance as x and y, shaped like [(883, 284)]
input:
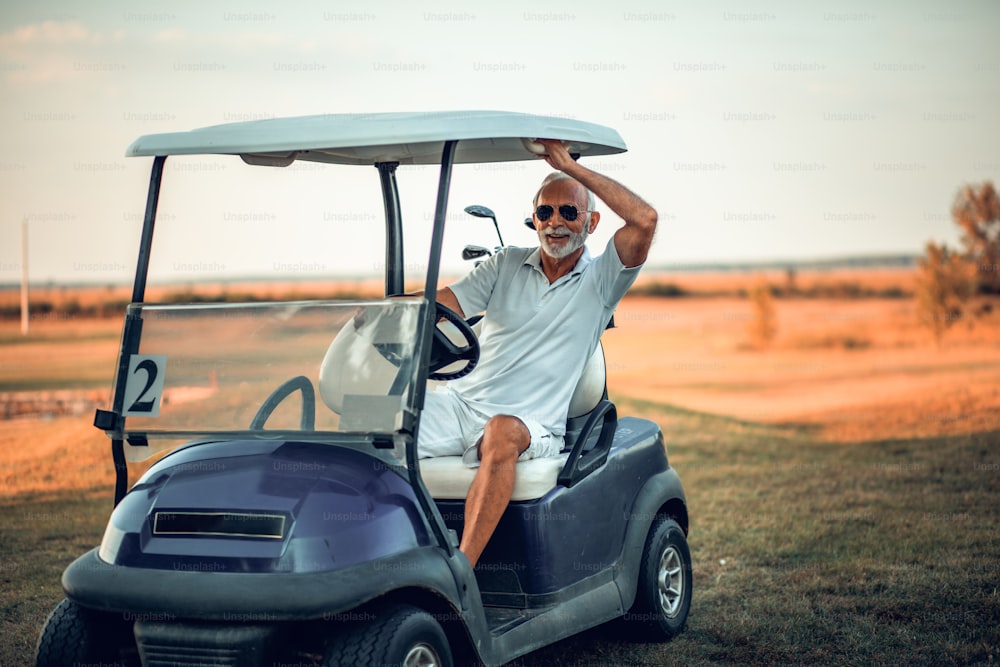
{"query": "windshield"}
[(304, 370)]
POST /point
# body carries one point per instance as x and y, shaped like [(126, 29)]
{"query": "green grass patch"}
[(38, 540), (805, 553)]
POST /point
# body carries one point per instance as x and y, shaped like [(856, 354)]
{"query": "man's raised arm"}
[(633, 240)]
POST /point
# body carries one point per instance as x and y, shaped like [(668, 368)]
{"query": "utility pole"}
[(24, 277)]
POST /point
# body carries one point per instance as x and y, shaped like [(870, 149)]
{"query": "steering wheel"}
[(307, 422), (444, 352)]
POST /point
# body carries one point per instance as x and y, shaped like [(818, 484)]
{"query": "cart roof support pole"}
[(393, 228), (146, 242)]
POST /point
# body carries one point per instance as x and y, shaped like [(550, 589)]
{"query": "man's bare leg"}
[(504, 439)]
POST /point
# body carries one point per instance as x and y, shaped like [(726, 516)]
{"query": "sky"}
[(760, 131)]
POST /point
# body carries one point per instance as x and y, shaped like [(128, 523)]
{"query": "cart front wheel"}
[(399, 635), (75, 636)]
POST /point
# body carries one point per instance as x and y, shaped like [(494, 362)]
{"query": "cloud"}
[(251, 40), (50, 33), (169, 36), (57, 51)]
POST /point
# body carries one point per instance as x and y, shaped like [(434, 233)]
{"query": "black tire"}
[(400, 635), (663, 595), (74, 635)]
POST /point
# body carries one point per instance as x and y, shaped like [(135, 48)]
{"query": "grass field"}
[(879, 553), (844, 498)]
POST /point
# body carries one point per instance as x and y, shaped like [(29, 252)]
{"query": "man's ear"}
[(595, 217)]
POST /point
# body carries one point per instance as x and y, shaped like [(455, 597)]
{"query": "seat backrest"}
[(352, 366), (590, 388)]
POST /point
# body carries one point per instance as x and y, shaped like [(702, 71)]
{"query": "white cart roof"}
[(364, 139)]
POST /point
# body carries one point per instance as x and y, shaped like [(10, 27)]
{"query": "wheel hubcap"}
[(422, 655), (670, 581)]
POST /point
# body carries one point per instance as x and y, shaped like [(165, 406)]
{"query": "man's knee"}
[(504, 436)]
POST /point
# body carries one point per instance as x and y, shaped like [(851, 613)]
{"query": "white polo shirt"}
[(536, 337)]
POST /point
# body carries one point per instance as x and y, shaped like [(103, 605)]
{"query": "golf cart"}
[(289, 520)]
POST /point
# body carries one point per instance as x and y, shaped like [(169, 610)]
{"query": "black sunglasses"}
[(567, 212)]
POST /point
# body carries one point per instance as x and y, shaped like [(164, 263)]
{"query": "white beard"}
[(574, 243)]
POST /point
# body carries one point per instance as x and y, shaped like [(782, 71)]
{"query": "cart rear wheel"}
[(663, 597), (74, 635), (400, 635)]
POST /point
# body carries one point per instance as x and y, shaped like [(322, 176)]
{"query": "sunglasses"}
[(567, 212)]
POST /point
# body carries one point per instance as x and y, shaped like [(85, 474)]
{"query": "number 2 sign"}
[(144, 386)]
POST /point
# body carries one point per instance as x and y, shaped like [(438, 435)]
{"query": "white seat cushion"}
[(447, 478)]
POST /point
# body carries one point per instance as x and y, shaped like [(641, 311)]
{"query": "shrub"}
[(763, 326), (945, 283), (976, 210)]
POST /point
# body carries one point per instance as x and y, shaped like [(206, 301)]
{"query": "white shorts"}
[(450, 427)]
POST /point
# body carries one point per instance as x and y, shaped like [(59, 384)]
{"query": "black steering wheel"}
[(445, 353), (307, 422)]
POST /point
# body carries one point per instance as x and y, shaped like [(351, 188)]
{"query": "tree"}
[(976, 211), (945, 282)]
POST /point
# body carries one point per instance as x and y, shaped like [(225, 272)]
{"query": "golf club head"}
[(474, 252), (480, 211)]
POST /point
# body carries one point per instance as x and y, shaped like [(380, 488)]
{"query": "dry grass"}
[(44, 459)]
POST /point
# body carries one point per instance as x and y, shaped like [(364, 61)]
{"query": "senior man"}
[(545, 310)]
